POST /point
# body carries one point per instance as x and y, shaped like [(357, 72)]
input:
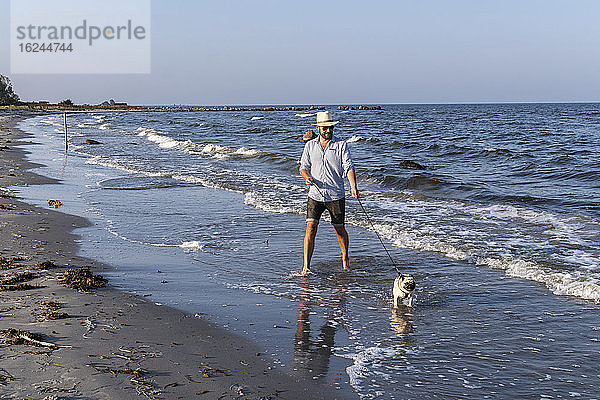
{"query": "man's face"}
[(326, 132)]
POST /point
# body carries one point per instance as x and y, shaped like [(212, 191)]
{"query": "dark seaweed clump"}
[(46, 265), (82, 279)]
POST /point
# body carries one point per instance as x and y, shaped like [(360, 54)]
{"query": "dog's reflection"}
[(312, 350), (401, 320)]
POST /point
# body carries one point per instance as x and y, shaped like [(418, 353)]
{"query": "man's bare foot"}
[(345, 268), (305, 271)]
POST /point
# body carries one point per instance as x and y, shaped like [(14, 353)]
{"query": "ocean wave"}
[(572, 283), (256, 118), (358, 138), (560, 283), (193, 245), (244, 151), (162, 140), (304, 115)]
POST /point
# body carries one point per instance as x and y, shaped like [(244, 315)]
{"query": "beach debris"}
[(240, 390), (15, 282), (23, 337), (137, 372), (54, 203), (46, 265), (210, 372), (7, 195), (82, 279), (138, 377), (92, 141), (5, 377), (18, 287), (52, 315), (50, 305), (19, 277), (10, 263), (49, 313)]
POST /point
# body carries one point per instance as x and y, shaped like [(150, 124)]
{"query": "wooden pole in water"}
[(66, 137)]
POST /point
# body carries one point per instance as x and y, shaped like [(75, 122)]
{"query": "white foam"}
[(355, 138), (256, 118), (560, 283), (214, 148), (193, 245), (244, 151), (577, 283), (304, 115), (365, 367), (163, 141), (270, 205)]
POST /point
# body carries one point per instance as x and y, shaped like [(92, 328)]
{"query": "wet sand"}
[(112, 345)]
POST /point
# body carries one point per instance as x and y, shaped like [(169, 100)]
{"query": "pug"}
[(403, 290)]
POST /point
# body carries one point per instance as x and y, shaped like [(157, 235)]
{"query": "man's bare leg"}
[(342, 237), (309, 244)]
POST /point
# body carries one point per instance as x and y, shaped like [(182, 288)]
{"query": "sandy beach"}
[(109, 345)]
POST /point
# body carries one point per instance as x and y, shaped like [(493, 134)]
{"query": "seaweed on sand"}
[(50, 305), (19, 277), (10, 263), (16, 336), (5, 377), (15, 282), (17, 287), (54, 203), (52, 315), (82, 279), (46, 265), (49, 312)]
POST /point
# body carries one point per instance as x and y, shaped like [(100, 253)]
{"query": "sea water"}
[(492, 208)]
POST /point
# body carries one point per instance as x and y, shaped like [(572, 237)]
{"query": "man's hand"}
[(352, 179), (307, 178)]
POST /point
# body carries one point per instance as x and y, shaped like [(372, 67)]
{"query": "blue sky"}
[(329, 52)]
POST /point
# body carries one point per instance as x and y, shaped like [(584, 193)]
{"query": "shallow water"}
[(502, 220)]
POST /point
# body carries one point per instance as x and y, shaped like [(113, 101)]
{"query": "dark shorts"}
[(337, 210)]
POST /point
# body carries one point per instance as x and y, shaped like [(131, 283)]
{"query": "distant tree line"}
[(7, 95)]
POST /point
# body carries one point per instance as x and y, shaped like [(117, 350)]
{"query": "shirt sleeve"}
[(347, 163), (305, 160)]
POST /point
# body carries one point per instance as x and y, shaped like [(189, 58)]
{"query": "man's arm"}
[(305, 166), (352, 179), (307, 178)]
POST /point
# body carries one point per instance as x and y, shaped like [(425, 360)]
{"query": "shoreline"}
[(109, 333)]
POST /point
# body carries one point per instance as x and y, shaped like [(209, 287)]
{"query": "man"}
[(324, 165)]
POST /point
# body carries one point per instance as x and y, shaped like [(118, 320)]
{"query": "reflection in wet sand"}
[(313, 349)]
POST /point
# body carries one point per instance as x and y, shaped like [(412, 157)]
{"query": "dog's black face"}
[(408, 284)]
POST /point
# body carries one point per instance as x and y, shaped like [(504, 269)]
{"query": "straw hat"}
[(324, 119)]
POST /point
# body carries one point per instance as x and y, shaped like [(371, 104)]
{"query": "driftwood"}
[(24, 337)]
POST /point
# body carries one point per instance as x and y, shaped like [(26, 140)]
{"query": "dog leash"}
[(372, 225), (379, 237)]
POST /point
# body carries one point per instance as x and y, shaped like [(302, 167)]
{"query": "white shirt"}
[(328, 168)]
